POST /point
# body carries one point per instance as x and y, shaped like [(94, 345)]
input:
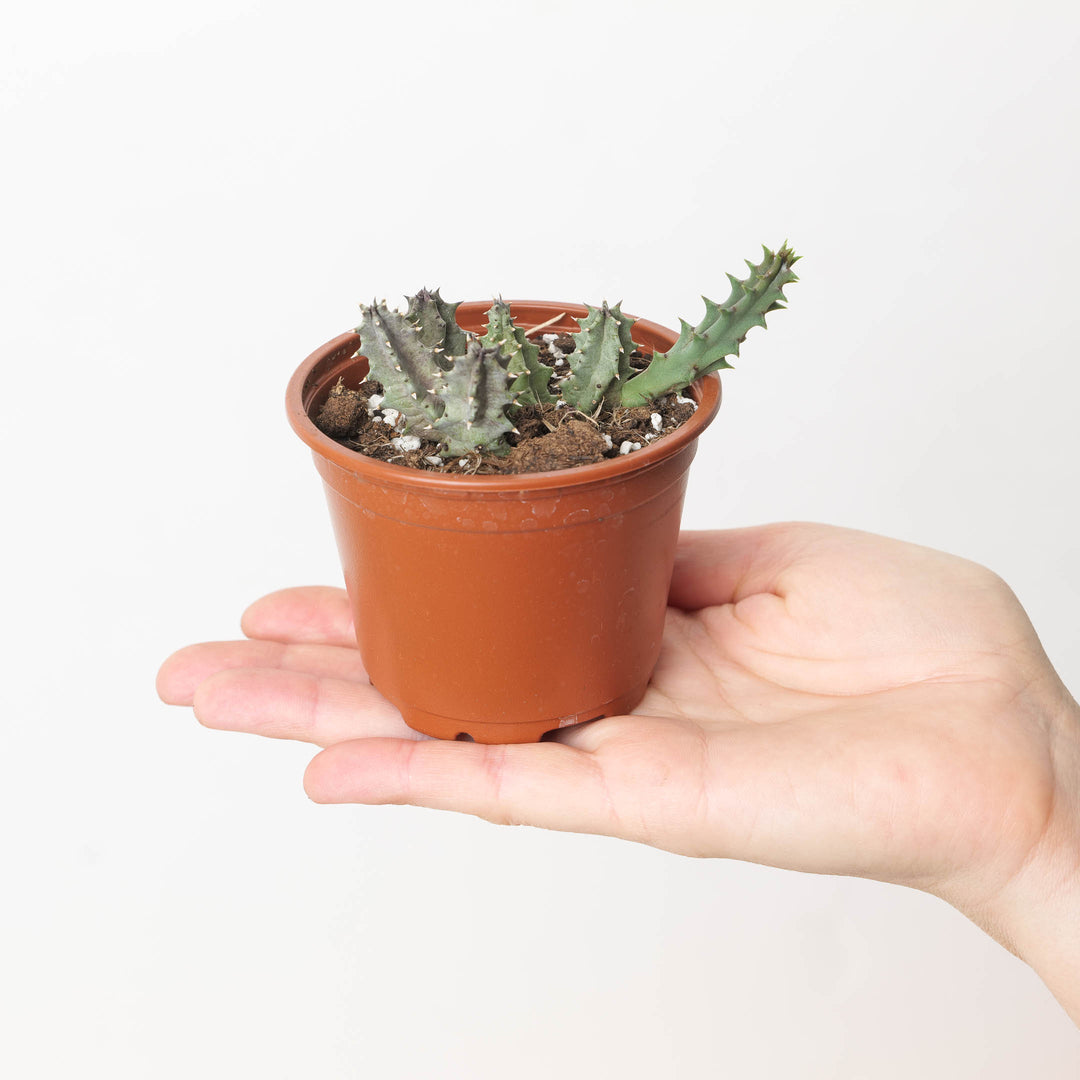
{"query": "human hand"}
[(826, 701)]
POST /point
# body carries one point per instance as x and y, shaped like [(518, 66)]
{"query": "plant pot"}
[(503, 607)]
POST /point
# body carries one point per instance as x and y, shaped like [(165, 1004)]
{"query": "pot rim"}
[(706, 391)]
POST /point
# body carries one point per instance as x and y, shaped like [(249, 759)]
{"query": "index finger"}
[(312, 614)]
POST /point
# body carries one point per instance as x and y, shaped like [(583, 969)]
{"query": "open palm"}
[(825, 700)]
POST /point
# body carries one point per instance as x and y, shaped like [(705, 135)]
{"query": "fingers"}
[(544, 784), (633, 777), (313, 614), (293, 705), (726, 566), (748, 793), (185, 670)]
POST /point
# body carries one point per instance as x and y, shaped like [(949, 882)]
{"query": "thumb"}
[(725, 566)]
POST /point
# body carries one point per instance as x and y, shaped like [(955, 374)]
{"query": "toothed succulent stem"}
[(435, 319), (530, 375), (600, 360), (461, 400), (477, 394), (402, 362), (704, 348)]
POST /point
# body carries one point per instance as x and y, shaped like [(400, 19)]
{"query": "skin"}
[(826, 701)]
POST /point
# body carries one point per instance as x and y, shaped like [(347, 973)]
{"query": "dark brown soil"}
[(548, 437)]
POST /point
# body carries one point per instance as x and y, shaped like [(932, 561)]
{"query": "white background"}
[(194, 197)]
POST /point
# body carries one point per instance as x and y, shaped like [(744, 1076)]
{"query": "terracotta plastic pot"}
[(503, 607)]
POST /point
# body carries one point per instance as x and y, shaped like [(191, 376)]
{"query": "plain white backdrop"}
[(194, 197)]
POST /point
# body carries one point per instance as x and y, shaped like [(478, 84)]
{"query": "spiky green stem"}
[(477, 394), (399, 359), (703, 348), (437, 323), (600, 360), (530, 375)]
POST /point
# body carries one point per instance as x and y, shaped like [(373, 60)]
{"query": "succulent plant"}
[(462, 390), (704, 348), (600, 366), (530, 376)]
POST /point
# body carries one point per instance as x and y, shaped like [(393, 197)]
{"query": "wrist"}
[(1035, 913)]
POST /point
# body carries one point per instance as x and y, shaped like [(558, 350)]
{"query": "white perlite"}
[(391, 417), (556, 353), (657, 421), (405, 443), (686, 401), (433, 459), (607, 439), (627, 446), (374, 402)]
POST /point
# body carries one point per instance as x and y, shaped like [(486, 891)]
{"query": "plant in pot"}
[(506, 495)]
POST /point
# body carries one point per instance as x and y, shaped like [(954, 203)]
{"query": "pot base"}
[(443, 727)]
